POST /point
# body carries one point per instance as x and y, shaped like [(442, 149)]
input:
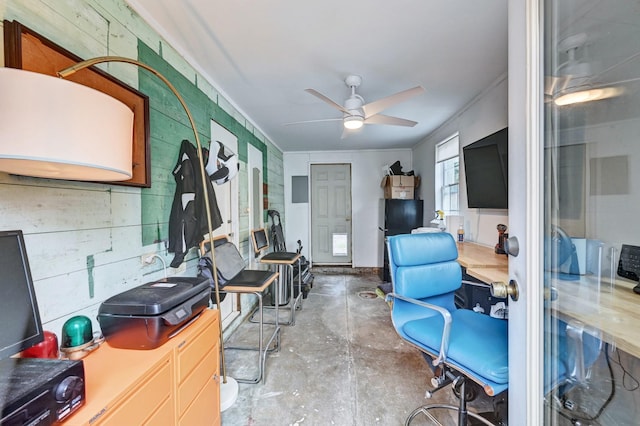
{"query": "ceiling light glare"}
[(353, 122)]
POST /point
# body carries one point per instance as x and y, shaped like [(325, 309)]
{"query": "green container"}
[(77, 331)]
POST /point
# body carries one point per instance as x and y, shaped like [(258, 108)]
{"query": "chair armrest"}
[(476, 284), (575, 335), (446, 330)]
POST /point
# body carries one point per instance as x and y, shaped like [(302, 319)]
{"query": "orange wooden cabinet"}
[(175, 384)]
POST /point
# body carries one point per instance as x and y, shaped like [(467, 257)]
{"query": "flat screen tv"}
[(486, 171), (19, 315)]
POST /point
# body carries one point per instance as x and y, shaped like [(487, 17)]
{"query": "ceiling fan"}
[(355, 113)]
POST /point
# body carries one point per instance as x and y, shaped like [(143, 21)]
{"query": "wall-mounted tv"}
[(486, 169)]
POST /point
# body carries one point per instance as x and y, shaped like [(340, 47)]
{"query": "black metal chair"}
[(233, 277)]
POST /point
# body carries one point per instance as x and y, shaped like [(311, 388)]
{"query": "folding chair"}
[(279, 260), (234, 278)]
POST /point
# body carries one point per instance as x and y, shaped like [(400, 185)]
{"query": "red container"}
[(45, 349)]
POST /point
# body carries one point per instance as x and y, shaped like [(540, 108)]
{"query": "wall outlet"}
[(147, 259)]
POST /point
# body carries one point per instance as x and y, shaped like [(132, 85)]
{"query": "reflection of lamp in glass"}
[(88, 141)]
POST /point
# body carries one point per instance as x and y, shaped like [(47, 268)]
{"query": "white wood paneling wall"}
[(84, 239)]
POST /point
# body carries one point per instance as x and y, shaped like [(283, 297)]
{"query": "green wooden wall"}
[(169, 126)]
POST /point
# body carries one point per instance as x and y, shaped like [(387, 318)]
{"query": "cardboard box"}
[(399, 181), (402, 187), (401, 192)]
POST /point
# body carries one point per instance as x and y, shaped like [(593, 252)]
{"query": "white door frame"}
[(229, 306), (254, 161), (526, 211)]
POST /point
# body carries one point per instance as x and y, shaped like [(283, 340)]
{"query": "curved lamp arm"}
[(100, 59)]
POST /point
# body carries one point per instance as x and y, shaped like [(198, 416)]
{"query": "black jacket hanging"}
[(188, 219)]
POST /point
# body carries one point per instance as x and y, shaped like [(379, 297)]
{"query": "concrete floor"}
[(341, 364)]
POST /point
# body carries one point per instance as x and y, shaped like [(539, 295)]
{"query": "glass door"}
[(591, 230)]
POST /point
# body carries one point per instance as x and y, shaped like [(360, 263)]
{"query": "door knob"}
[(511, 246), (502, 290)]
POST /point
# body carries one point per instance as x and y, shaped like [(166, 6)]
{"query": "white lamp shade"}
[(54, 128)]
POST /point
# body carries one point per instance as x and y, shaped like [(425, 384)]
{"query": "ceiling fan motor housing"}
[(353, 81), (354, 106)]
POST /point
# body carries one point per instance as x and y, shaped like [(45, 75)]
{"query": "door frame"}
[(254, 160), (525, 52), (227, 138)]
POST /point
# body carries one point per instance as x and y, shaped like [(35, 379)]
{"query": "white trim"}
[(534, 212), (525, 212), (195, 65)]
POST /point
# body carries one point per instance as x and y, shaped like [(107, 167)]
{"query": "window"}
[(447, 175)]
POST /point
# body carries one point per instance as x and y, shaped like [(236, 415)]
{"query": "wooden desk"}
[(613, 310), (483, 263), (473, 255), (610, 312), (490, 275)]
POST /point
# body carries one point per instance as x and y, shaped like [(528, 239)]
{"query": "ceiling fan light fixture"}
[(353, 122)]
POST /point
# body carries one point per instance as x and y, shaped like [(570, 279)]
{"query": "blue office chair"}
[(462, 344)]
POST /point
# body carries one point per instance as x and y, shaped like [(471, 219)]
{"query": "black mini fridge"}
[(398, 216)]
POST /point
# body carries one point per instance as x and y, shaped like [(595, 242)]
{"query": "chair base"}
[(465, 392)]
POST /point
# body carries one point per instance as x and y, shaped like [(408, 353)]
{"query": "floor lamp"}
[(93, 116)]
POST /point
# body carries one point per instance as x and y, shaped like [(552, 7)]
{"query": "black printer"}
[(147, 316)]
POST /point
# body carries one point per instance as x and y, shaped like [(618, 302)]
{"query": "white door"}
[(525, 219), (227, 198), (331, 214), (574, 117)]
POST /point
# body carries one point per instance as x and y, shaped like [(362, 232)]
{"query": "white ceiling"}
[(262, 55)]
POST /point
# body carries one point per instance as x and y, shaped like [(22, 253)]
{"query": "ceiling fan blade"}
[(387, 119), (327, 100), (375, 107), (312, 121)]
